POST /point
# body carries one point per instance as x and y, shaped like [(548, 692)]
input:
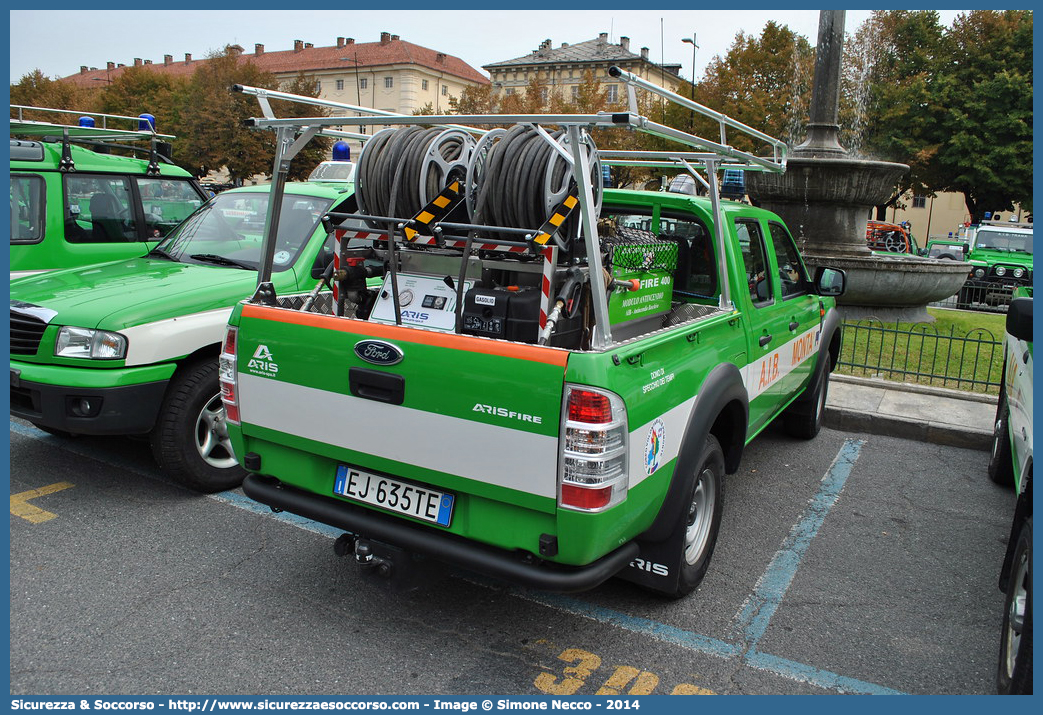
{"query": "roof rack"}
[(709, 155), (104, 135)]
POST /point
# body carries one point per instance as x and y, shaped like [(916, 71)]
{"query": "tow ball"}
[(401, 570)]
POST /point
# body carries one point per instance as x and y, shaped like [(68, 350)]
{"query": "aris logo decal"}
[(262, 362)]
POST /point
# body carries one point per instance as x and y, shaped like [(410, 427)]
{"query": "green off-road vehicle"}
[(552, 380), (1011, 464), (1000, 259), (74, 202)]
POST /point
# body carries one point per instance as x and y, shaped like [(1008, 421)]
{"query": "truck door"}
[(800, 308), (769, 330)]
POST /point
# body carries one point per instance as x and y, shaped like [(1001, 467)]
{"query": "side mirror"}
[(322, 260), (830, 281), (1019, 319)]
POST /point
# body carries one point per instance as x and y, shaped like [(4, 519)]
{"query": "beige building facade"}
[(562, 68), (935, 217)]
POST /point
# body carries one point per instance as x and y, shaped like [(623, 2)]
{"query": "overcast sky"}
[(57, 42)]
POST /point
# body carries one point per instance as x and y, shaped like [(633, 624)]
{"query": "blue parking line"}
[(755, 614)]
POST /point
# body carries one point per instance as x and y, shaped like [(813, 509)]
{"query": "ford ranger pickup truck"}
[(552, 379)]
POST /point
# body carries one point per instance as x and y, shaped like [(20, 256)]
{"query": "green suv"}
[(130, 347), (1011, 464), (1001, 260), (73, 203)]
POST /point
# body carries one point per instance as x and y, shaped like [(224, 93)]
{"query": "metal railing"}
[(920, 354), (982, 297)]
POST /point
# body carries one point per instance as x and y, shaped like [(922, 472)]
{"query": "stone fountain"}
[(826, 198)]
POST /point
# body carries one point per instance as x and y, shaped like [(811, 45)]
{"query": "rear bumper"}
[(516, 567)]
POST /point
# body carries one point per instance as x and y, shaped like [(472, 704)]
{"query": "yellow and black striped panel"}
[(556, 219), (435, 211)]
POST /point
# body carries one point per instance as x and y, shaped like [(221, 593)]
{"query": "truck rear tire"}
[(1001, 461), (190, 440), (1014, 675), (803, 419), (696, 530)]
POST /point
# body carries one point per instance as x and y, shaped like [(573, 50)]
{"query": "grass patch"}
[(961, 349)]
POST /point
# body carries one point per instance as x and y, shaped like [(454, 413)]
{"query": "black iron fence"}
[(921, 354), (986, 297)]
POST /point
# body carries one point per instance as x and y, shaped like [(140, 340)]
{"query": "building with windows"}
[(936, 216), (562, 68), (392, 74)]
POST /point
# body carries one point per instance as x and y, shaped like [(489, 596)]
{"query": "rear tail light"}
[(226, 375), (593, 464)]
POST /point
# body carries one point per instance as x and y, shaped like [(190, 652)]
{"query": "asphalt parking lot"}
[(852, 563)]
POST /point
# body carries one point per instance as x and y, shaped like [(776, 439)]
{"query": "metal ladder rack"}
[(293, 133), (91, 136)]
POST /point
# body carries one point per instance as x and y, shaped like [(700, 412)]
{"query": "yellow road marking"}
[(21, 507)]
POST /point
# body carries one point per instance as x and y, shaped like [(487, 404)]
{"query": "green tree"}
[(36, 90), (891, 65), (318, 149), (984, 111), (955, 104), (764, 82)]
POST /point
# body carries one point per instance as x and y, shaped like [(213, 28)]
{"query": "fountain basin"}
[(893, 287)]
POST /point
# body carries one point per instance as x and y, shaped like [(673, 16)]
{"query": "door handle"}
[(765, 339), (794, 325)]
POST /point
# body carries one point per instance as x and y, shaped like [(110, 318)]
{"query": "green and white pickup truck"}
[(549, 406), (130, 347), (1011, 464)]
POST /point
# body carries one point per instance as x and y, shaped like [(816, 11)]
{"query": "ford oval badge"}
[(378, 352)]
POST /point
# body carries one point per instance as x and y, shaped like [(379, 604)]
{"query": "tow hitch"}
[(399, 569)]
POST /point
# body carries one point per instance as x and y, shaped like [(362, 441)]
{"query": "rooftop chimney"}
[(167, 60), (188, 58), (258, 48), (603, 37), (394, 37), (349, 41), (110, 65), (624, 42), (137, 62), (83, 69), (148, 62), (298, 45), (340, 42), (385, 37), (440, 58), (644, 53), (236, 50), (564, 44), (309, 45), (120, 65)]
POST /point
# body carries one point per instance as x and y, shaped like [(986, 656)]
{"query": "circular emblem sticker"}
[(281, 257), (654, 447)]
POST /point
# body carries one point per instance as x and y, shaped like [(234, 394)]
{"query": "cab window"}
[(758, 277), (27, 208), (99, 209), (166, 203), (696, 275), (793, 277)]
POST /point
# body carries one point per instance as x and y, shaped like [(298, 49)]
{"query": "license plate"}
[(393, 495)]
